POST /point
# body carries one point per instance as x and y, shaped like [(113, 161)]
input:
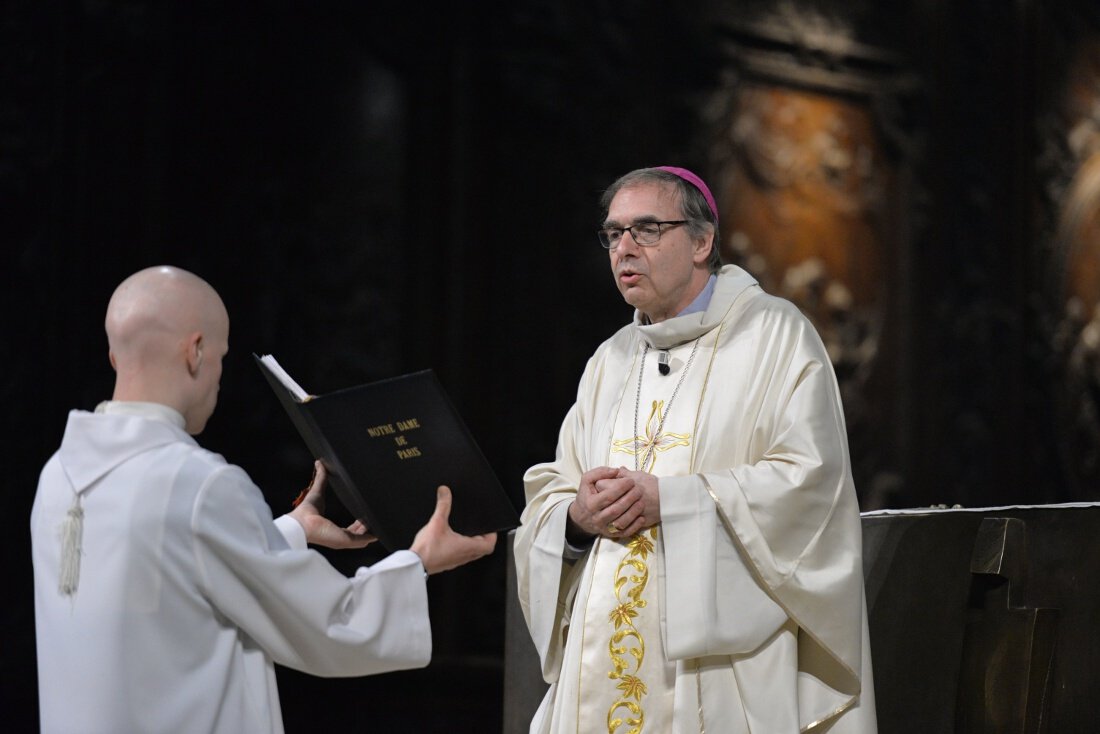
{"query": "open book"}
[(388, 445)]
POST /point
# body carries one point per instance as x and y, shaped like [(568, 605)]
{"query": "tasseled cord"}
[(72, 532)]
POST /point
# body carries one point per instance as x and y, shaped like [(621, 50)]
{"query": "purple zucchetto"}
[(695, 181)]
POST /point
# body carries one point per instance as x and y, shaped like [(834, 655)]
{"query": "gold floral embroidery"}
[(627, 648), (636, 723), (648, 445)]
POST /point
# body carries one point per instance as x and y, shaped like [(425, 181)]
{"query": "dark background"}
[(377, 188)]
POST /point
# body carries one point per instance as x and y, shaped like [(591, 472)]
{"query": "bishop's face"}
[(662, 279)]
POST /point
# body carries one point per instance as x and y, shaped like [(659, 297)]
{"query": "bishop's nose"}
[(623, 248)]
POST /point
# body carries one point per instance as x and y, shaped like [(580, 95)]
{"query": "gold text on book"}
[(397, 430)]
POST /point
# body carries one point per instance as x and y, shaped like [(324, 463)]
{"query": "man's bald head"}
[(168, 330)]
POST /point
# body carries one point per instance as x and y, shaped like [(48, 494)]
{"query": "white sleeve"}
[(292, 531), (303, 612), (781, 530), (546, 569)]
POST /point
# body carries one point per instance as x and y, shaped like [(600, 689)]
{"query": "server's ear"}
[(194, 353)]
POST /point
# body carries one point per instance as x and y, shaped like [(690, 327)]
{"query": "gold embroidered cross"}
[(653, 441)]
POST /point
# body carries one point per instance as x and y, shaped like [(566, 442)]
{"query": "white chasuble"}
[(743, 609)]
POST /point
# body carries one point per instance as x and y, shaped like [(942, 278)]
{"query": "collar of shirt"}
[(703, 299), (152, 411)]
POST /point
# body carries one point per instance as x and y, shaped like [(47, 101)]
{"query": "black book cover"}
[(388, 445)]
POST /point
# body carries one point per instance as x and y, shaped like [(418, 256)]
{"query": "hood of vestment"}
[(96, 443), (732, 283)]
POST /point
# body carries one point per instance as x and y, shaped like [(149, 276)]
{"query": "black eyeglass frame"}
[(607, 244)]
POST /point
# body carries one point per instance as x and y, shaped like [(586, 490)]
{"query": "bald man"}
[(164, 590)]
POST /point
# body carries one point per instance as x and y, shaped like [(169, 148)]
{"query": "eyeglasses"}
[(644, 233)]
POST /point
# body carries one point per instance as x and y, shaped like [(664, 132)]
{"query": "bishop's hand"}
[(648, 507), (607, 504)]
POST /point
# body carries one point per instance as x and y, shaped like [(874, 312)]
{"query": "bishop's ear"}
[(703, 246)]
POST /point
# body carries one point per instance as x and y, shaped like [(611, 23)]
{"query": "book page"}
[(293, 387)]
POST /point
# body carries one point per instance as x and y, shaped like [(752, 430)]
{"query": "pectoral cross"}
[(653, 441)]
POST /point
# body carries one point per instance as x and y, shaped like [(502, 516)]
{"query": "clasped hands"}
[(614, 503)]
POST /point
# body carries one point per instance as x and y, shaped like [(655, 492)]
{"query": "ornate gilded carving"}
[(808, 174), (1074, 309), (808, 191)]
